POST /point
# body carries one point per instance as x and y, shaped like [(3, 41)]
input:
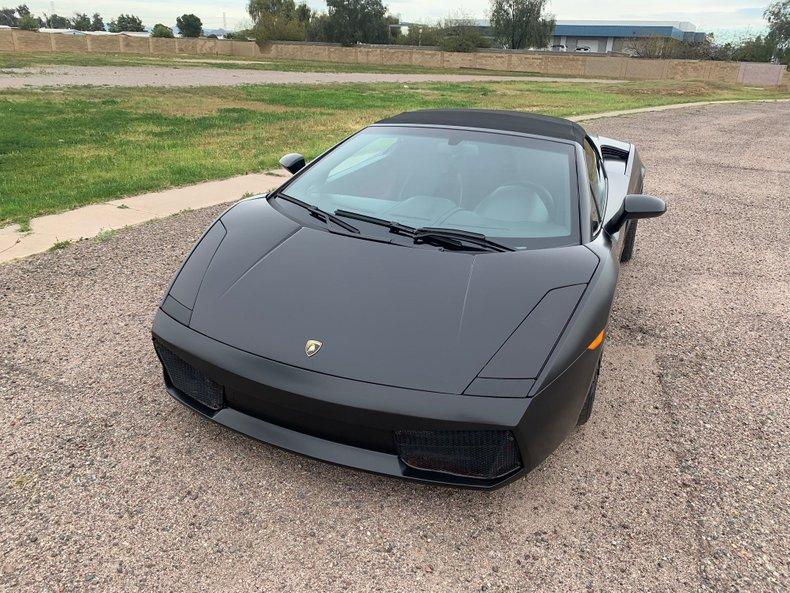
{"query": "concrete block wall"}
[(30, 41), (132, 45), (16, 40), (724, 71), (760, 74), (6, 41), (609, 67), (101, 44), (163, 46), (69, 43), (426, 59), (551, 64), (492, 60)]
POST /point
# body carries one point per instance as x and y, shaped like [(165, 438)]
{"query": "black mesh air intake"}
[(190, 381), (613, 153), (485, 454)]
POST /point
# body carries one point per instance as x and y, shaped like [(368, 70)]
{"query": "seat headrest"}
[(514, 203)]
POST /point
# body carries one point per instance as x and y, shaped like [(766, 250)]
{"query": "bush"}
[(189, 25), (161, 30), (457, 43), (463, 41), (126, 22), (421, 36), (279, 29), (760, 49), (28, 22), (239, 35)]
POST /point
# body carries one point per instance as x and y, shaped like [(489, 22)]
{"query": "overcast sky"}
[(706, 14)]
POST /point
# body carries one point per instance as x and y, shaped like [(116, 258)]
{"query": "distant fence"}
[(545, 63), (16, 40)]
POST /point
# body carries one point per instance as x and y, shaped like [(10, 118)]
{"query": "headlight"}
[(181, 297)]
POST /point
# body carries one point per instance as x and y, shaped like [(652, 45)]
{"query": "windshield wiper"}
[(394, 227), (316, 212), (456, 238)]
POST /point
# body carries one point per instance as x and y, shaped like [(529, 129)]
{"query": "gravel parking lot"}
[(132, 76), (679, 482)]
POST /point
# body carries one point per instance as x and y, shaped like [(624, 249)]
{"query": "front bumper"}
[(352, 423)]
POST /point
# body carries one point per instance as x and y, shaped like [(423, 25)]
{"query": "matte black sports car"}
[(427, 299)]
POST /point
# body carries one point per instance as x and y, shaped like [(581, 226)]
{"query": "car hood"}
[(408, 317)]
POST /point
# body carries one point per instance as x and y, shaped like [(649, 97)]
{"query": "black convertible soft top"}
[(512, 121)]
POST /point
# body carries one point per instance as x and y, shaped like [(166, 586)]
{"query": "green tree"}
[(126, 22), (161, 30), (762, 48), (303, 13), (357, 21), (189, 25), (318, 28), (279, 29), (97, 23), (278, 20), (55, 21), (778, 17), (520, 24), (81, 22), (8, 17), (29, 23), (264, 9)]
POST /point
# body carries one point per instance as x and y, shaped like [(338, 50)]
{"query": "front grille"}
[(190, 381), (485, 454)]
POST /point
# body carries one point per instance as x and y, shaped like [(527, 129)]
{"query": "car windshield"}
[(516, 190)]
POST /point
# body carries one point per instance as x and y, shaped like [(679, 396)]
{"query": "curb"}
[(94, 219)]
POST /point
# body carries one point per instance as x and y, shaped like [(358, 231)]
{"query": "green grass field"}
[(63, 148)]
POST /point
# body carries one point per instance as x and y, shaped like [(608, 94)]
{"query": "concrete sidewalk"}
[(89, 221)]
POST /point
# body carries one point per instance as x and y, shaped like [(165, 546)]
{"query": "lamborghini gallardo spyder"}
[(428, 299)]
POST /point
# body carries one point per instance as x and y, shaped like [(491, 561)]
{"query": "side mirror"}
[(636, 206), (293, 162)]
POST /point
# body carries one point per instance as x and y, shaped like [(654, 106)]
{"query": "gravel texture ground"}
[(173, 77), (679, 482)]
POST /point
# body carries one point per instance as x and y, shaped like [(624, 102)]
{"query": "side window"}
[(597, 181)]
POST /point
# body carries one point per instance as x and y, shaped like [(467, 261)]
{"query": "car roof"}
[(511, 121)]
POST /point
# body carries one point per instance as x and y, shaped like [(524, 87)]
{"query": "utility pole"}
[(224, 21)]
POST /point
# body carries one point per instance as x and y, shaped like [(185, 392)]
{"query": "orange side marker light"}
[(597, 341)]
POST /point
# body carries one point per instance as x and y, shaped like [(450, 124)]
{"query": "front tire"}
[(628, 241), (584, 415)]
